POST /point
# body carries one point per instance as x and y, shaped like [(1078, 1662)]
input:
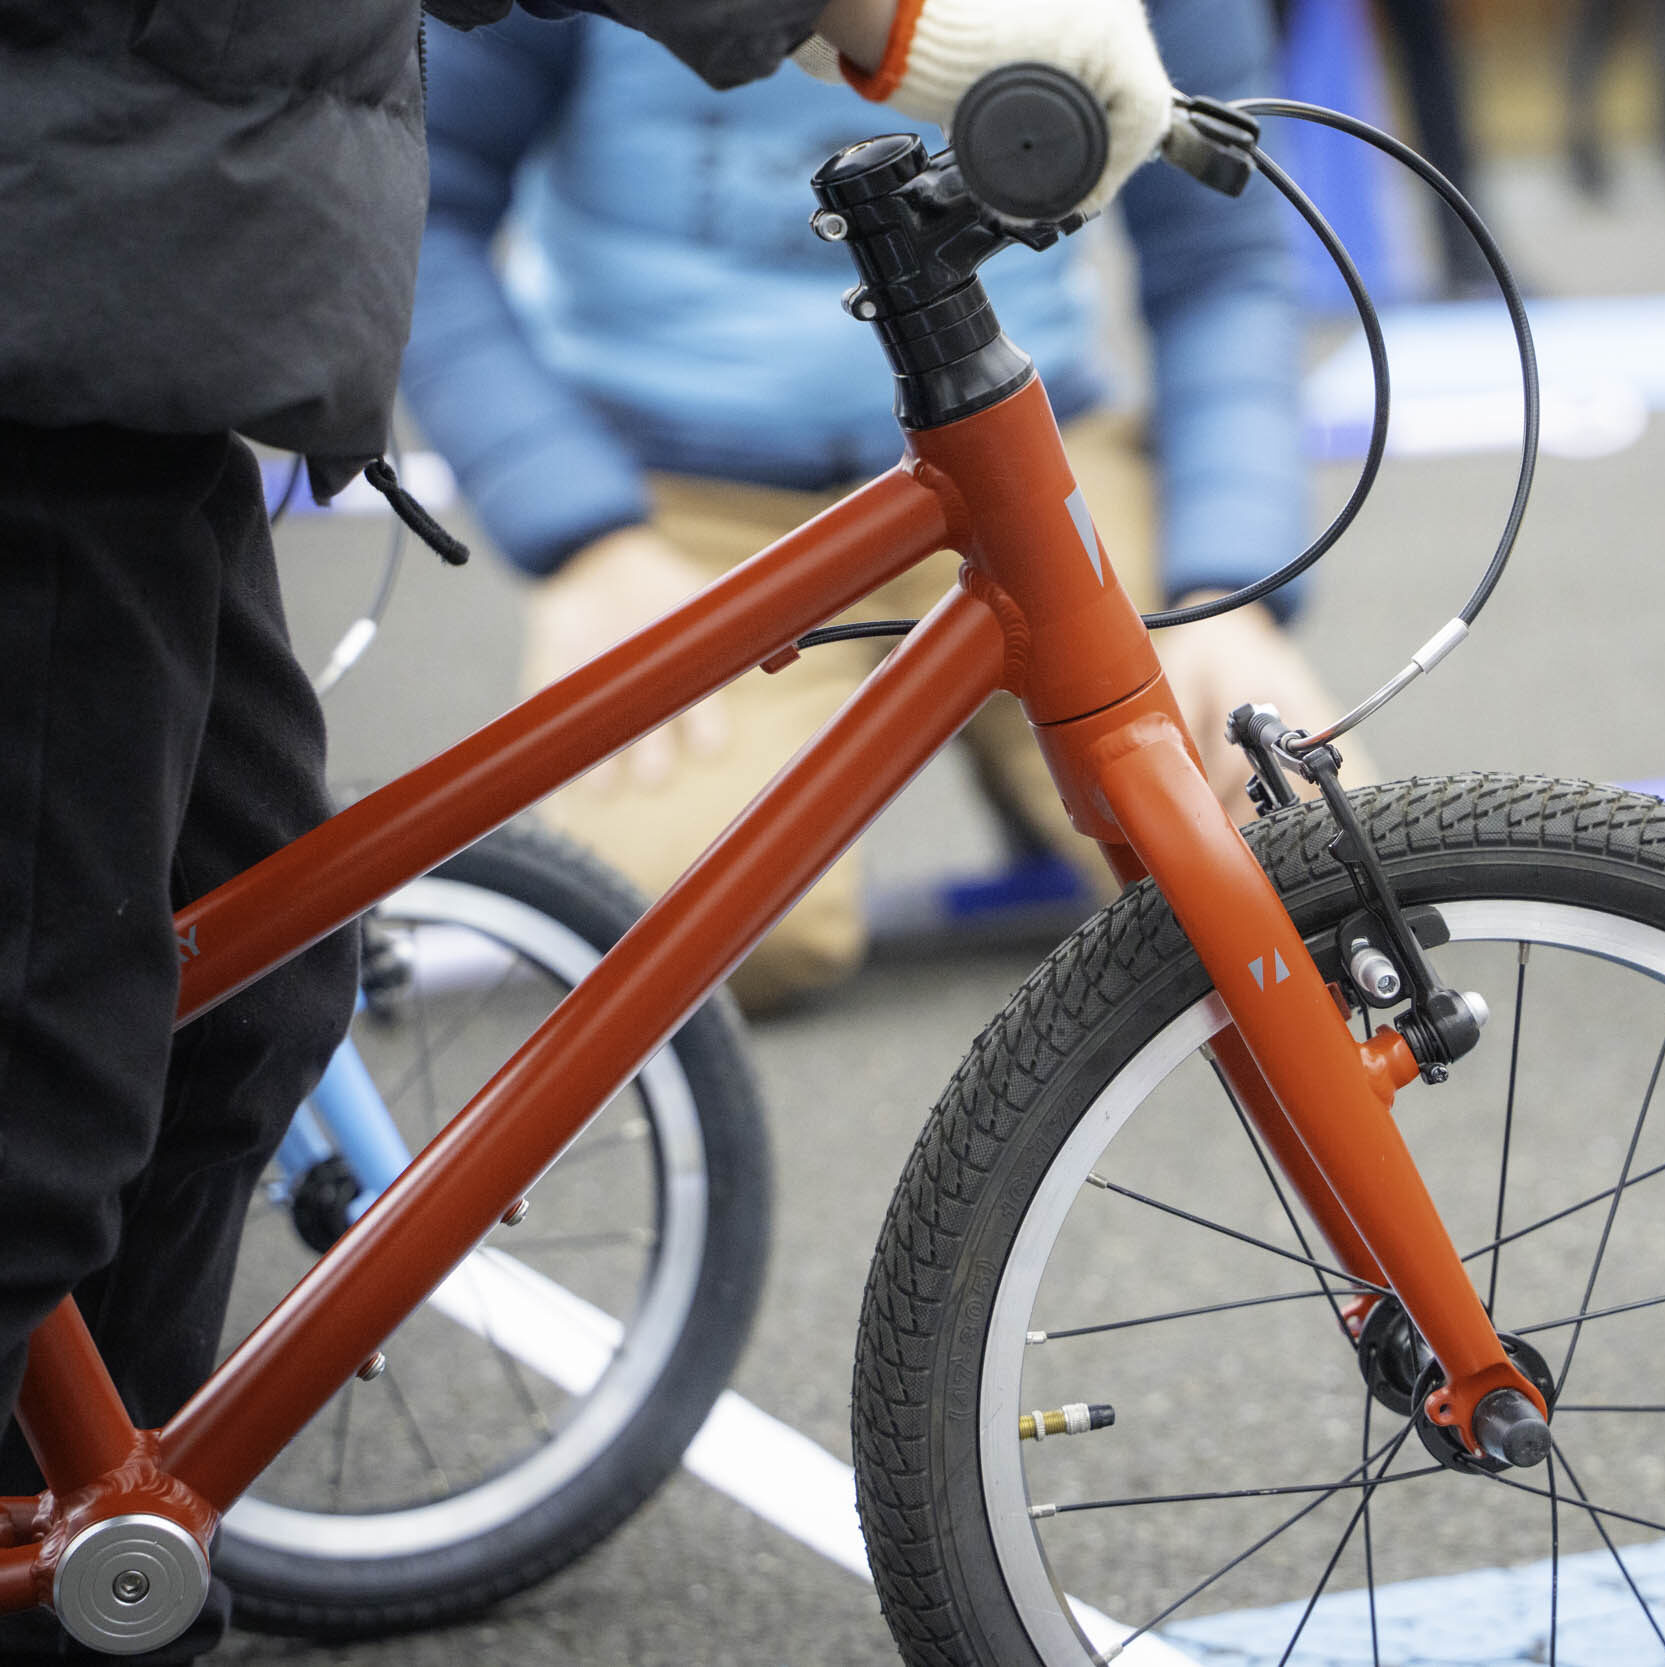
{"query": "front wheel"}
[(1088, 1223)]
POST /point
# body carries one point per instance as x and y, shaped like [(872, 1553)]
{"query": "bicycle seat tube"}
[(981, 434)]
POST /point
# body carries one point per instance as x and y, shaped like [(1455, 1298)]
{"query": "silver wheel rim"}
[(648, 1341)]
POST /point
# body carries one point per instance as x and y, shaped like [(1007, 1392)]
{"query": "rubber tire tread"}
[(1097, 1000), (278, 1592)]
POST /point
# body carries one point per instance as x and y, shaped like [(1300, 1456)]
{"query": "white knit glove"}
[(938, 48)]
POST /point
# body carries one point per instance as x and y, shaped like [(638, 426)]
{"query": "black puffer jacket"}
[(209, 213)]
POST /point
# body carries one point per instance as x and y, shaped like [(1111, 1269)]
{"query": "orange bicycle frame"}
[(1038, 611)]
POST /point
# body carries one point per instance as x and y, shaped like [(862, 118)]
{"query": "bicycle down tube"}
[(1038, 611)]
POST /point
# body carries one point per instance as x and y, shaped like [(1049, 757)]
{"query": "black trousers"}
[(156, 737)]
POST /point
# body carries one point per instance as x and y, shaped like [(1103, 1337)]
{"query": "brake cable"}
[(1221, 126), (1218, 143)]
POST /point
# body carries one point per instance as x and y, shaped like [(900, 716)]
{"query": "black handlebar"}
[(1031, 141)]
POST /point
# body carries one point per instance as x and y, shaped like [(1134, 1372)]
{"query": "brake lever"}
[(1212, 142)]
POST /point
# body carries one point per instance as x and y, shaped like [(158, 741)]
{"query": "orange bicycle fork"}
[(119, 1540), (1129, 776)]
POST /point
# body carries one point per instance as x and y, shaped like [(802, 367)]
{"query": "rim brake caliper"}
[(1383, 955)]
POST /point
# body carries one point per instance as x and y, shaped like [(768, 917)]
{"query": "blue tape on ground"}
[(1491, 1618)]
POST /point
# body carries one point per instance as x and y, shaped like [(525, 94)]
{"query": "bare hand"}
[(1219, 664), (612, 587)]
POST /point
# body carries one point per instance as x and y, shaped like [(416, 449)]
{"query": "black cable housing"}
[(1372, 325), (847, 633), (1512, 298)]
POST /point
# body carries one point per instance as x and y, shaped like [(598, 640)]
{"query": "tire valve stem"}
[(1077, 1418)]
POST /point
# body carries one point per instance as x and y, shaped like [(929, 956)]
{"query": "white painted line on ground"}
[(766, 1465), (1456, 378)]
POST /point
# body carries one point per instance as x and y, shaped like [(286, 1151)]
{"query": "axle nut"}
[(1509, 1427)]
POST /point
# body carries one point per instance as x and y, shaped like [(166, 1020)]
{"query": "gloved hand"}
[(938, 48)]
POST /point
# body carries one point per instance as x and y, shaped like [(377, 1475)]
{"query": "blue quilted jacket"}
[(618, 275)]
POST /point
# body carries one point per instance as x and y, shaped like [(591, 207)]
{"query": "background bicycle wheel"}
[(1562, 676), (553, 1380)]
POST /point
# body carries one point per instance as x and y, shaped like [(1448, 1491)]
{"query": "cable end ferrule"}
[(1439, 645)]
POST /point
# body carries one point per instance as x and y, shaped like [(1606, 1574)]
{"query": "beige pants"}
[(651, 834)]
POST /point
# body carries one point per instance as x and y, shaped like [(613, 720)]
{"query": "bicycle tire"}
[(336, 1544), (1000, 1286)]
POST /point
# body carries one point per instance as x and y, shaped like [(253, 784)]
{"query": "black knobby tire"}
[(375, 1550), (963, 1328)]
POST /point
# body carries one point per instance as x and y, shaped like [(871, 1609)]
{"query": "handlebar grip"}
[(1031, 141)]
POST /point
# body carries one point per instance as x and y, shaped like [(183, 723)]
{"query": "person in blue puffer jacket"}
[(629, 346)]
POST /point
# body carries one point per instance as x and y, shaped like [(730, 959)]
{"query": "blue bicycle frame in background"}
[(346, 1117)]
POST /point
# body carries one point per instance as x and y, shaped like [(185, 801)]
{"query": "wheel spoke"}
[(1607, 1226), (1186, 1314), (1554, 1556), (338, 1446), (639, 1238), (1521, 955), (1588, 1314), (1607, 1539), (1390, 1448), (1353, 1521), (1215, 1497), (628, 1131), (506, 1358), (1369, 1544), (1591, 1406), (1097, 1180), (1276, 1185), (439, 1484), (434, 1042), (1592, 1510), (1561, 1215), (421, 1069)]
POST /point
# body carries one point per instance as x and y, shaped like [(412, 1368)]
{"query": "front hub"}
[(1392, 1356), (1401, 1373), (1505, 1421)]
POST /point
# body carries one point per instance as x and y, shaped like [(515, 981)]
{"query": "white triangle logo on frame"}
[(1085, 531)]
